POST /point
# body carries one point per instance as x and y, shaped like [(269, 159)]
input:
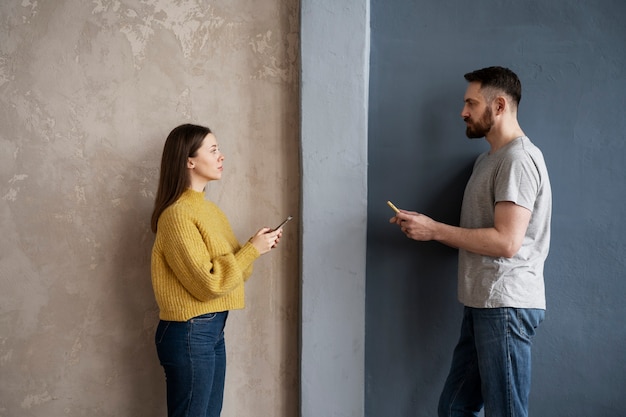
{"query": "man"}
[(503, 241)]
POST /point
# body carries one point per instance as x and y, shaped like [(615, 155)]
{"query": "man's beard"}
[(481, 127)]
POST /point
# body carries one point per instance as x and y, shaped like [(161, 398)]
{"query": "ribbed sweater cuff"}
[(247, 255)]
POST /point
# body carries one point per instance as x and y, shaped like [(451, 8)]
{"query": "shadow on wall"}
[(432, 278), (416, 289), (144, 380)]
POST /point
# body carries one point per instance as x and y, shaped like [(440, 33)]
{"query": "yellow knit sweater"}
[(198, 266)]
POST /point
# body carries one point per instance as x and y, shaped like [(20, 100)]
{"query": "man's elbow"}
[(508, 254), (510, 249)]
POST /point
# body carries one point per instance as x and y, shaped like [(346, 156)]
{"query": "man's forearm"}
[(487, 241)]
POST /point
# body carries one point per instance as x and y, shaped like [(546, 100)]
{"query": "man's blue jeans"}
[(491, 365), (193, 355)]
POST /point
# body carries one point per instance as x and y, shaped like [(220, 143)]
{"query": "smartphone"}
[(394, 208), (283, 223)]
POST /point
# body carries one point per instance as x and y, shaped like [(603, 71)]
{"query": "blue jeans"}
[(193, 355), (491, 364)]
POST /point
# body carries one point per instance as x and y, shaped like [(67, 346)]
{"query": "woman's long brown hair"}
[(182, 143)]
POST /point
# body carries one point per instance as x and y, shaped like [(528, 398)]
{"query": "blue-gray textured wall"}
[(571, 58)]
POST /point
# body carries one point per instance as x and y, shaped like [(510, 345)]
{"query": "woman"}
[(198, 272)]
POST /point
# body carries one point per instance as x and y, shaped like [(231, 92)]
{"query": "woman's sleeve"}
[(244, 253), (205, 275)]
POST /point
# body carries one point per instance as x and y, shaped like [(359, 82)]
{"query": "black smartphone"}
[(283, 223)]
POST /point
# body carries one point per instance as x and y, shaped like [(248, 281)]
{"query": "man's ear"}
[(499, 104)]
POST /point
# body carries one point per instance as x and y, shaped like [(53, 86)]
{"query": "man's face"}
[(479, 128), (476, 113)]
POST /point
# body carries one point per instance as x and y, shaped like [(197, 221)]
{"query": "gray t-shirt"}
[(517, 173)]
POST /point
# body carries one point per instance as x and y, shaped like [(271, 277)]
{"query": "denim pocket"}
[(203, 318), (529, 319), (160, 331)]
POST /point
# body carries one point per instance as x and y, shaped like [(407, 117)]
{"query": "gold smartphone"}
[(394, 208)]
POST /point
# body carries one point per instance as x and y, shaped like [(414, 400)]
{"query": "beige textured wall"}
[(88, 92)]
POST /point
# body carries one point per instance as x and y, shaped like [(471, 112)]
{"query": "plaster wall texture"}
[(88, 92), (335, 76)]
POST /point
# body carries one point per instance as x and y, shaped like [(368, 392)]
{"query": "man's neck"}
[(503, 136)]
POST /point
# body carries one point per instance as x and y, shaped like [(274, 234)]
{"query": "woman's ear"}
[(190, 163)]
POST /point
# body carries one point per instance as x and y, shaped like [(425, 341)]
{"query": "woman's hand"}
[(266, 239)]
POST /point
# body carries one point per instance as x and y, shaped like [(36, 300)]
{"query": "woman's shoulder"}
[(194, 207), (183, 207)]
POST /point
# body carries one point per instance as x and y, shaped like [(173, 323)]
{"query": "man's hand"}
[(414, 225), (503, 239)]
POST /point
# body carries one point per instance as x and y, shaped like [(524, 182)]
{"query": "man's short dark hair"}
[(498, 78)]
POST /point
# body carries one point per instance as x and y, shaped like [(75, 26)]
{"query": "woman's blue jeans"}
[(491, 365), (193, 355)]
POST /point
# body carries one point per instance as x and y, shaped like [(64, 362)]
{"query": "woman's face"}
[(207, 165)]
